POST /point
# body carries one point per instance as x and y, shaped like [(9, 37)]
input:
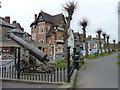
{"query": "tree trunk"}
[(100, 45), (86, 49), (66, 39)]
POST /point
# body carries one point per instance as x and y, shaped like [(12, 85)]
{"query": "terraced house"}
[(47, 28)]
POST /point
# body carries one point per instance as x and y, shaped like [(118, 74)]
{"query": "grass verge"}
[(118, 63), (98, 56), (118, 56)]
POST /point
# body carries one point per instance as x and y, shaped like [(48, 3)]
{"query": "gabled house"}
[(8, 46), (47, 28), (5, 27), (78, 41)]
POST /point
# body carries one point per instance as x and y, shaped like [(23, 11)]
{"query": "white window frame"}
[(48, 28), (33, 36), (41, 29), (41, 41), (60, 50)]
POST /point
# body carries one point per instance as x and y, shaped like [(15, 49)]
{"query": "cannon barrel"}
[(40, 55)]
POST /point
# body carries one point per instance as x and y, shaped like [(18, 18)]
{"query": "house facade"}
[(7, 46), (48, 29)]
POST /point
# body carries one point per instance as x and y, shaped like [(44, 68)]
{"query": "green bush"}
[(118, 63), (60, 64), (118, 56), (100, 55)]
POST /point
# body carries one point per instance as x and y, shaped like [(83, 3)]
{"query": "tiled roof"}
[(52, 30), (4, 23), (15, 31), (55, 20)]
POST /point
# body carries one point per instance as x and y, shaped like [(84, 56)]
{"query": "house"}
[(5, 27), (91, 43), (97, 42), (7, 46), (77, 41), (48, 29)]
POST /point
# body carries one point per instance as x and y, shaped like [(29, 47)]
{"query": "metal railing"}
[(58, 75)]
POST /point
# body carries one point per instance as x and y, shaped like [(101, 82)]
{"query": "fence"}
[(58, 75)]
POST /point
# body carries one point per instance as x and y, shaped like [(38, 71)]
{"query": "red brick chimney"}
[(35, 16), (14, 22), (7, 19)]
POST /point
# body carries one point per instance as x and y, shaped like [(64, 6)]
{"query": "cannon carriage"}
[(31, 58)]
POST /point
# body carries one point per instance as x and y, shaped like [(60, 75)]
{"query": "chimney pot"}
[(22, 29), (14, 22), (7, 19), (35, 16)]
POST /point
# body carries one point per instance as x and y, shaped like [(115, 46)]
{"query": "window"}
[(60, 49), (34, 26), (34, 36), (60, 37), (40, 17), (41, 41), (41, 29), (48, 28)]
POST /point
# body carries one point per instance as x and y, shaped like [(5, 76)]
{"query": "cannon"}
[(31, 63)]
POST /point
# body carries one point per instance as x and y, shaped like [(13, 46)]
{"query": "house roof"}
[(52, 30), (54, 19), (17, 25), (15, 31), (4, 23)]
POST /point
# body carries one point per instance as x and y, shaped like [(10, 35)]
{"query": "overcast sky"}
[(99, 13)]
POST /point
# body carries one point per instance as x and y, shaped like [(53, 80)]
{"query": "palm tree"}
[(108, 42), (99, 31), (104, 38), (84, 24), (114, 44), (70, 8)]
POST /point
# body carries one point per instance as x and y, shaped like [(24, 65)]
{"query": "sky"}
[(99, 13)]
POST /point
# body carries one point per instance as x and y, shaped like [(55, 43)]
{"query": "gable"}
[(55, 20)]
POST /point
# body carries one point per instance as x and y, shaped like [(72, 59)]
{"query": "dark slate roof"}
[(54, 19), (4, 23), (17, 24), (15, 31)]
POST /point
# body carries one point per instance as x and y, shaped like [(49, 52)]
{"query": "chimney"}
[(7, 19), (22, 29), (14, 22), (35, 16), (73, 31)]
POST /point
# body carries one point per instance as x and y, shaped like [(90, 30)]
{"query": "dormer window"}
[(40, 17)]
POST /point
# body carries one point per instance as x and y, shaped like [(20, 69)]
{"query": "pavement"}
[(99, 73), (13, 84)]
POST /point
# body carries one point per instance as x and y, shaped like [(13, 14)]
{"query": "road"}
[(99, 73)]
